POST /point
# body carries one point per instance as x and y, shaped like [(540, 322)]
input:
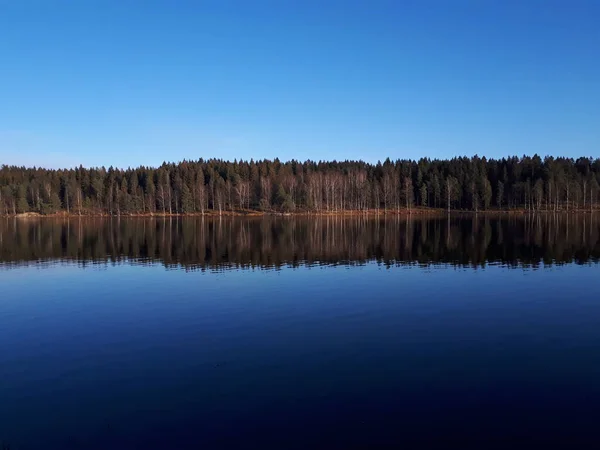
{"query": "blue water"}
[(128, 355)]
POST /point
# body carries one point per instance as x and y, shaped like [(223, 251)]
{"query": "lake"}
[(315, 332)]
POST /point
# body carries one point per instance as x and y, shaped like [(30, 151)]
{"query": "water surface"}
[(299, 333)]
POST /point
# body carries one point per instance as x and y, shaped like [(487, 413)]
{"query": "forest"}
[(218, 187)]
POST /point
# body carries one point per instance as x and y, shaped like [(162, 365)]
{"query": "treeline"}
[(216, 186), (214, 243)]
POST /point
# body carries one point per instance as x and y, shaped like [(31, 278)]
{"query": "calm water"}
[(299, 333)]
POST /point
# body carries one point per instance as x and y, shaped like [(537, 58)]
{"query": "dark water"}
[(300, 333)]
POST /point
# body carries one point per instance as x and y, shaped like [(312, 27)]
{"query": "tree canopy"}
[(463, 183)]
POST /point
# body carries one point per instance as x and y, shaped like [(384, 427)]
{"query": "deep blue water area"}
[(289, 333)]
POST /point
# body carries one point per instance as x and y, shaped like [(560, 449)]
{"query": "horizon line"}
[(298, 161)]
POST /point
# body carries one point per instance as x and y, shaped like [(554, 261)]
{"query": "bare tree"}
[(538, 190), (450, 191), (387, 191), (228, 188), (162, 199), (78, 200), (168, 189), (242, 189), (219, 195), (200, 195), (328, 188), (377, 196), (396, 189), (408, 192), (315, 190), (290, 184), (266, 193)]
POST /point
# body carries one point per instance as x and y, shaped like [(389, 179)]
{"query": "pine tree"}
[(187, 202)]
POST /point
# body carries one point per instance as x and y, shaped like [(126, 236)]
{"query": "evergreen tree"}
[(187, 202), (22, 205)]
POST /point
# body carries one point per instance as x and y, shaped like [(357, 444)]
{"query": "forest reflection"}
[(271, 242)]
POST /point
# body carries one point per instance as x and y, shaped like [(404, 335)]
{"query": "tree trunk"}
[(448, 195)]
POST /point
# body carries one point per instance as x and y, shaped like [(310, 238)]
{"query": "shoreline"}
[(238, 213), (251, 213)]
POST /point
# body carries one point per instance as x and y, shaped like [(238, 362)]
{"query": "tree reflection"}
[(272, 242)]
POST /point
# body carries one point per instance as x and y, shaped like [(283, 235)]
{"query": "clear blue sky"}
[(125, 83)]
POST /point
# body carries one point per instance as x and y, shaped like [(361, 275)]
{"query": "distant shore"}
[(253, 213), (237, 213)]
